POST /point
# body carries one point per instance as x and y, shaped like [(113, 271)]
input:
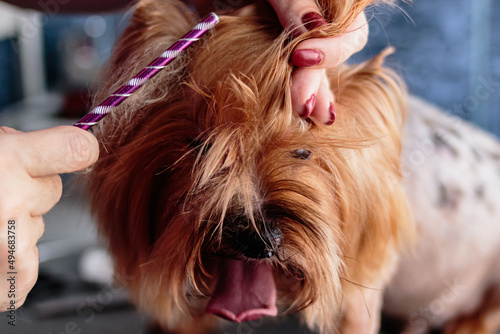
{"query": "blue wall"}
[(448, 51)]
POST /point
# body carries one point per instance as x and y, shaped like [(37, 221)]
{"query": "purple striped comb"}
[(147, 73)]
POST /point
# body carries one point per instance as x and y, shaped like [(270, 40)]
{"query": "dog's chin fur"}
[(213, 138)]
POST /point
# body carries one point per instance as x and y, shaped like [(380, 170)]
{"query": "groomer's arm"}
[(29, 187), (72, 6)]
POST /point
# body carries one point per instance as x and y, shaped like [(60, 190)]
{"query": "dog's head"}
[(215, 197)]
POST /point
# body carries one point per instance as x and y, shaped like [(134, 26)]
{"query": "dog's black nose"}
[(261, 245)]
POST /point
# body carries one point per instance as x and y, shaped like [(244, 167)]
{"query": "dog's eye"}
[(302, 154)]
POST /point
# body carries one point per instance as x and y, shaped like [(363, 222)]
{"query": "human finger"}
[(58, 150), (311, 95), (330, 52), (46, 192), (7, 130), (20, 261), (304, 88), (298, 15), (324, 110)]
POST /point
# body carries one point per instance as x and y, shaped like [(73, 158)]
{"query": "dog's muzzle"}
[(262, 244), (245, 288)]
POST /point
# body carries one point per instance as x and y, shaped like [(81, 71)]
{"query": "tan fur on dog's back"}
[(158, 196)]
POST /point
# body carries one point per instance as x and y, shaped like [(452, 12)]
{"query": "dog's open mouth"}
[(245, 291)]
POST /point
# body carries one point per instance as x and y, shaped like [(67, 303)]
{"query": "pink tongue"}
[(245, 291)]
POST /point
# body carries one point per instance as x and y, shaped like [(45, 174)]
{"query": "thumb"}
[(63, 149)]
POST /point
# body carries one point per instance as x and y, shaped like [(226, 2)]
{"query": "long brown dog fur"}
[(211, 136)]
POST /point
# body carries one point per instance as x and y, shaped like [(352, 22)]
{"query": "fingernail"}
[(333, 115), (313, 20), (306, 58), (309, 106)]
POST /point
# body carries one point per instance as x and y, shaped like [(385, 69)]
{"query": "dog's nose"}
[(261, 245)]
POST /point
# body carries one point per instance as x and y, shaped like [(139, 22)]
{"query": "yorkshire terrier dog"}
[(218, 200)]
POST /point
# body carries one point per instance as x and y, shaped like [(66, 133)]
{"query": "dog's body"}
[(451, 278), (217, 199)]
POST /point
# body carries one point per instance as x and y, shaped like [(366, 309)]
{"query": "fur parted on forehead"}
[(212, 137)]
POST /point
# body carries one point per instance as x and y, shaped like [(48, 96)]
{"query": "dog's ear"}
[(153, 27)]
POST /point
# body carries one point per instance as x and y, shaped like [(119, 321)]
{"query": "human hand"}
[(29, 187), (311, 94)]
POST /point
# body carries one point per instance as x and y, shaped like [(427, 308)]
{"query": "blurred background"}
[(447, 51)]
